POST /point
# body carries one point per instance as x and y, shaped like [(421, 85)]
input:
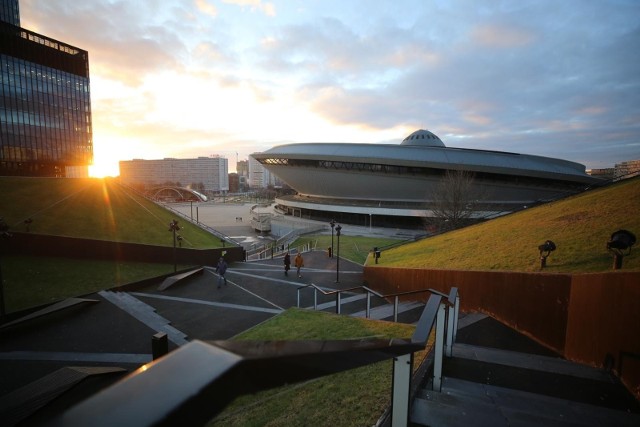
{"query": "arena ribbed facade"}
[(395, 183)]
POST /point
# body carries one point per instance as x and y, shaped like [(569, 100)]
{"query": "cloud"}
[(265, 7), (206, 8), (120, 45), (530, 76), (501, 36)]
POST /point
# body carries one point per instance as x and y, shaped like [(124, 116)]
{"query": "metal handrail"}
[(396, 297)]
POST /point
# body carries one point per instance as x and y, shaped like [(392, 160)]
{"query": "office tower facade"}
[(45, 103)]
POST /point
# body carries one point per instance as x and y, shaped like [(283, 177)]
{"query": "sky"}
[(192, 78)]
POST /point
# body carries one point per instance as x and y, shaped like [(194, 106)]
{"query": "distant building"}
[(606, 173), (204, 174), (45, 103), (258, 176), (626, 170), (234, 183), (242, 168)]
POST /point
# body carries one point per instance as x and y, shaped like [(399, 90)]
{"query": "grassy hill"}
[(580, 226), (94, 209), (356, 397)]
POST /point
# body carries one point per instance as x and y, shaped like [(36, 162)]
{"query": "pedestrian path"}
[(145, 314)]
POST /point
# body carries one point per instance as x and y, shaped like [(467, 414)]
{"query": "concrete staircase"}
[(484, 386), (145, 314)]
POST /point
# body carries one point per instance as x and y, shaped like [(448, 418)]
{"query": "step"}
[(386, 311), (467, 403), (25, 401)]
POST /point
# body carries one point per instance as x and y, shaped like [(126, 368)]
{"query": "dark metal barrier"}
[(71, 247)]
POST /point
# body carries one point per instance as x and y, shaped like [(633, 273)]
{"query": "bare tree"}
[(453, 201)]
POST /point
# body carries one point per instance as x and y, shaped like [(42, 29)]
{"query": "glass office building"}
[(45, 103)]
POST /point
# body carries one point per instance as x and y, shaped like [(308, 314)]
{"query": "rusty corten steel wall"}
[(604, 323), (494, 293), (583, 317)]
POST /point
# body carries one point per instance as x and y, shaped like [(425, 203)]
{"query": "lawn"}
[(30, 282), (93, 209), (357, 397), (580, 226)]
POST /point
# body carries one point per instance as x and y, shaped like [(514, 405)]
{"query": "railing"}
[(369, 291), (192, 384)]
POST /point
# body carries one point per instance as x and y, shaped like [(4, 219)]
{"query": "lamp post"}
[(173, 226), (332, 224), (338, 228)]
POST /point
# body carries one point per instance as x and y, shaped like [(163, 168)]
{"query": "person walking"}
[(221, 269), (299, 263), (287, 264)]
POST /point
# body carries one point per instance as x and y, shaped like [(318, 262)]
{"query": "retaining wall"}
[(71, 247), (593, 319)]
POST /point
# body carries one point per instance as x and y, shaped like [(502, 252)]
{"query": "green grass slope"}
[(94, 209), (357, 397), (580, 226)]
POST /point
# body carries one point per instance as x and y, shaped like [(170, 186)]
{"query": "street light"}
[(173, 226), (332, 224), (338, 228)]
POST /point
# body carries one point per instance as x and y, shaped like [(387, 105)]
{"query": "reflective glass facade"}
[(9, 12), (45, 106)]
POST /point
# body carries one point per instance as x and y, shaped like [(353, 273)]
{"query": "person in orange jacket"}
[(299, 263)]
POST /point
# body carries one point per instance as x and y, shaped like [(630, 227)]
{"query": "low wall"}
[(593, 319), (71, 247)]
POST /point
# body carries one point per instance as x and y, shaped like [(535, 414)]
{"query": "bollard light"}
[(545, 249), (620, 246), (376, 254)]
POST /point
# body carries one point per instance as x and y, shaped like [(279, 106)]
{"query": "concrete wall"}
[(587, 318)]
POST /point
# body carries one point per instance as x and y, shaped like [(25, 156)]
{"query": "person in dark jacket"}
[(221, 269), (287, 264)]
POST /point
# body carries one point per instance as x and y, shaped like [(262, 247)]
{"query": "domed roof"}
[(424, 138)]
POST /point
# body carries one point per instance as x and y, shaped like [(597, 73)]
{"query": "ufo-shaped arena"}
[(395, 184)]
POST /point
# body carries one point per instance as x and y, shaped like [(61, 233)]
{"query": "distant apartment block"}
[(605, 173), (45, 103), (204, 174), (626, 170)]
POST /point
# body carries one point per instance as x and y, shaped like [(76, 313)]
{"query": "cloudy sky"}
[(188, 78)]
